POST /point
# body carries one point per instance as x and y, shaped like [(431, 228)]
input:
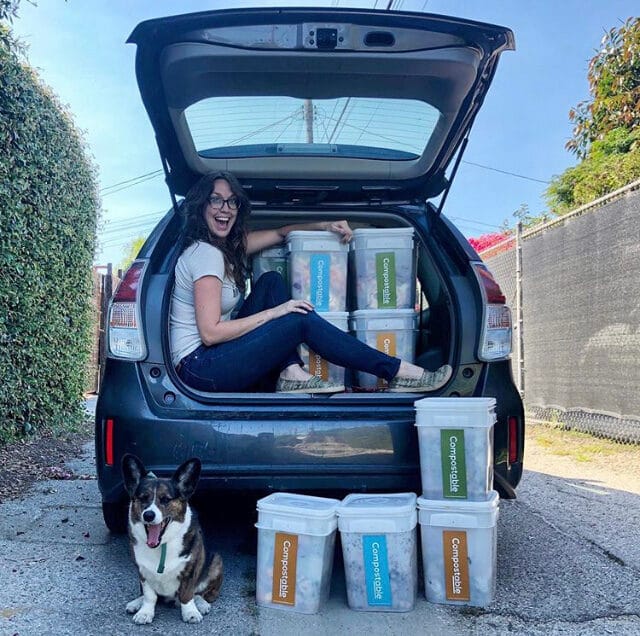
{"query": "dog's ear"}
[(133, 471), (186, 477)]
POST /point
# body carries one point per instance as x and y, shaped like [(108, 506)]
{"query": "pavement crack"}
[(576, 537), (555, 621)]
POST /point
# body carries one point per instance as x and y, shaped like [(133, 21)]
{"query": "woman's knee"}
[(270, 279), (271, 286), (297, 325)]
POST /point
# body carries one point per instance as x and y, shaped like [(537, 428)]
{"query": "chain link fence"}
[(574, 288)]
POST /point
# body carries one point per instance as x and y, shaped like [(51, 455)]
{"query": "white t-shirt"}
[(198, 260)]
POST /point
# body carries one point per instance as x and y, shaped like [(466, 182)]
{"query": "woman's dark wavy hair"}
[(234, 246)]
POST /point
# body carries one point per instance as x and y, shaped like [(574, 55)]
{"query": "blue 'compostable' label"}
[(376, 569), (320, 281)]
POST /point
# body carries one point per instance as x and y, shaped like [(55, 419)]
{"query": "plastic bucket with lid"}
[(379, 548), (296, 542), (316, 364), (318, 269), (384, 274), (274, 259), (455, 438), (459, 550), (392, 331)]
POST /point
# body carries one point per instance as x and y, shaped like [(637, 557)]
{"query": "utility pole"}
[(308, 119)]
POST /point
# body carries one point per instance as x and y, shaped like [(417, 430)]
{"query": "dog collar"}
[(163, 558)]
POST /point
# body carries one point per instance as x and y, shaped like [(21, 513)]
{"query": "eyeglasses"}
[(216, 201)]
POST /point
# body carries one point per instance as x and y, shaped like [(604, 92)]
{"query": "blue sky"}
[(79, 48)]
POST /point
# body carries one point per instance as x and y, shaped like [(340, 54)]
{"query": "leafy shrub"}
[(614, 84), (48, 215), (606, 133), (611, 163)]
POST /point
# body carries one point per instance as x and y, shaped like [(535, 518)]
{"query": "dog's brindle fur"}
[(186, 578)]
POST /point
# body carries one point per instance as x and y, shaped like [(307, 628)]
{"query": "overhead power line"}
[(130, 183), (135, 218), (466, 221), (155, 173), (513, 174)]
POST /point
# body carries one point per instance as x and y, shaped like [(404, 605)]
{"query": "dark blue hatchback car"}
[(322, 114)]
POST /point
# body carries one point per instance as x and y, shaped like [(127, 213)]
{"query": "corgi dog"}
[(167, 542)]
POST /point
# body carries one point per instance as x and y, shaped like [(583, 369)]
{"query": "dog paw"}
[(135, 605), (202, 605), (143, 617), (190, 612)]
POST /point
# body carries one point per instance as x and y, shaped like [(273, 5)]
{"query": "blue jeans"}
[(258, 357)]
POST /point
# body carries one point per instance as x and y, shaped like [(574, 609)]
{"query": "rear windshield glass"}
[(233, 127)]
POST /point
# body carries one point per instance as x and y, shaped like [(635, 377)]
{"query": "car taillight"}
[(108, 442), (512, 421), (125, 336), (495, 339)]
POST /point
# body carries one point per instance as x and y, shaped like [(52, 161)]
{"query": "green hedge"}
[(611, 163), (48, 215)]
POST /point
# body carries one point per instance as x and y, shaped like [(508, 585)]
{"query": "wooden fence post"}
[(106, 291)]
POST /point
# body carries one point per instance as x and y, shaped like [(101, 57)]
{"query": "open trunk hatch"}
[(352, 103)]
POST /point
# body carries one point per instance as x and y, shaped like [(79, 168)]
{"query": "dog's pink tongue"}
[(153, 535)]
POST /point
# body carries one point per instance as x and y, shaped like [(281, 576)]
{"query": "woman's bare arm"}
[(263, 239), (207, 295)]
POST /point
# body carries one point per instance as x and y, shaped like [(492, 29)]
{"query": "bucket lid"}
[(395, 512), (383, 313), (389, 231), (322, 235), (299, 514), (452, 405), (315, 241), (286, 503), (459, 513), (335, 315)]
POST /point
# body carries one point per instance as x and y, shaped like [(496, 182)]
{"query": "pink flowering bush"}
[(487, 241)]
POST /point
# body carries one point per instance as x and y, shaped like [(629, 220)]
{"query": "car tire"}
[(115, 516)]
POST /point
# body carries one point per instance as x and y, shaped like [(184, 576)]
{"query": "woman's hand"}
[(291, 306), (340, 227)]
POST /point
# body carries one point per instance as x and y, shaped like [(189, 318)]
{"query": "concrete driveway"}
[(568, 563)]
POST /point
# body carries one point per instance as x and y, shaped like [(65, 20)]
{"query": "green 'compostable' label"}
[(454, 469), (386, 280)]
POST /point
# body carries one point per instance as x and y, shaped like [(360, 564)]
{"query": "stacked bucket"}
[(458, 510), (314, 265), (383, 280), (318, 268), (273, 259), (296, 540)]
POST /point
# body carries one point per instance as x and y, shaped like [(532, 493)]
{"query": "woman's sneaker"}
[(313, 385), (429, 381)]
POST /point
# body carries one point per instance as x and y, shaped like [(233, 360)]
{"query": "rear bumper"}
[(364, 444)]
